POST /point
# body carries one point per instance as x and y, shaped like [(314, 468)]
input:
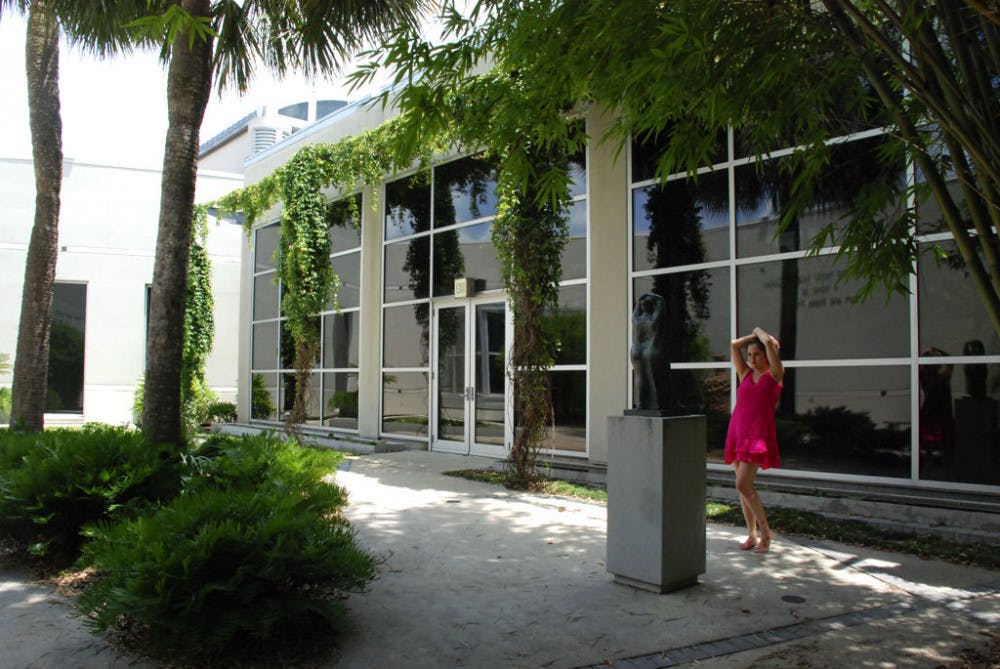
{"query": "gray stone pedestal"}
[(656, 501)]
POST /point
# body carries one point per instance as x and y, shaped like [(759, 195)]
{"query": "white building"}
[(107, 239)]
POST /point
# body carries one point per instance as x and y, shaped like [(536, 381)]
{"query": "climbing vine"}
[(199, 317), (529, 138), (530, 235), (303, 255)]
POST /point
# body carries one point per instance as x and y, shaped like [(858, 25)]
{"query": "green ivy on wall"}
[(530, 143), (199, 309)]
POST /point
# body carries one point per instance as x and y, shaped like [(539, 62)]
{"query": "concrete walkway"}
[(478, 576)]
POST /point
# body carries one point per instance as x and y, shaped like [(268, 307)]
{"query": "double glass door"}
[(471, 341)]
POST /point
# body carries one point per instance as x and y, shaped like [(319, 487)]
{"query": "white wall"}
[(107, 238)]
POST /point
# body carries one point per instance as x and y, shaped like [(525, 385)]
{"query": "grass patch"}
[(791, 521), (582, 491)]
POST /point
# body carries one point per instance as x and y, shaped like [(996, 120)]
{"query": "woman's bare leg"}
[(746, 472), (748, 516)]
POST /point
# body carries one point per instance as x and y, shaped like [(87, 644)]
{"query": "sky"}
[(114, 111)]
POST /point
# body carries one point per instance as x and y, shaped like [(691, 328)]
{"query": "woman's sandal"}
[(749, 544), (764, 545)]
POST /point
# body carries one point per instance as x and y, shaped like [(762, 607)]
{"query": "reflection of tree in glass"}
[(566, 332), (674, 212), (474, 176), (472, 180), (772, 182), (65, 378), (853, 168), (344, 221), (260, 398)]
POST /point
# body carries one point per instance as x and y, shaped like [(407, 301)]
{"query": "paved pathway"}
[(480, 577)]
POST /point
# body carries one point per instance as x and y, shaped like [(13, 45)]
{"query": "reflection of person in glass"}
[(648, 352), (937, 424), (752, 441)]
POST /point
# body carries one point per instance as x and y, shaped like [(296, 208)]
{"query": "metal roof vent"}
[(265, 137)]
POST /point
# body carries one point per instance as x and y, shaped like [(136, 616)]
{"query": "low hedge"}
[(53, 483), (254, 552)]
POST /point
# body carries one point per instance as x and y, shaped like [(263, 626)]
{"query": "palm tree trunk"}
[(31, 362), (189, 81)]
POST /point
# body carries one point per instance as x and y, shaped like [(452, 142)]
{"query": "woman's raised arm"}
[(771, 347), (736, 353)]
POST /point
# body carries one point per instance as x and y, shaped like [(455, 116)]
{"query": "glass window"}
[(289, 388), (348, 270), (287, 344), (646, 152), (817, 316), (465, 251), (578, 174), (407, 270), (763, 194), (340, 400), (569, 404), (327, 107), (264, 396), (952, 317), (929, 216), (567, 326), (406, 336), (265, 346), (681, 222), (574, 257), (344, 224), (696, 314), (405, 403), (340, 340), (464, 190), (490, 351), (64, 389), (299, 110), (266, 246), (407, 206), (959, 422), (848, 420), (265, 296)]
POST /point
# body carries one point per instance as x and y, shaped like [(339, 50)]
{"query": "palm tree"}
[(97, 27), (223, 40)]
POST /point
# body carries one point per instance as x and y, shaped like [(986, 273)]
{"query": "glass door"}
[(470, 381)]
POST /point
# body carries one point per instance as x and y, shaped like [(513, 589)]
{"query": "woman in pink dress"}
[(752, 442)]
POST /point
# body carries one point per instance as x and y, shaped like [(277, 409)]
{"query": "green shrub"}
[(54, 482), (254, 552), (261, 406), (195, 408), (221, 412), (5, 404)]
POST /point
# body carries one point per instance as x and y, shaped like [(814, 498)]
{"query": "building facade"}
[(898, 392), (107, 240)]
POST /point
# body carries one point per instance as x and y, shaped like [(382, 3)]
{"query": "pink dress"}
[(752, 436)]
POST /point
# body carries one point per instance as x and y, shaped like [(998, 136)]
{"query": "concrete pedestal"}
[(656, 501)]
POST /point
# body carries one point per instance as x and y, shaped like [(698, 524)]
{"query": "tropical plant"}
[(199, 330), (55, 482), (255, 552), (202, 41), (97, 28), (795, 74)]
